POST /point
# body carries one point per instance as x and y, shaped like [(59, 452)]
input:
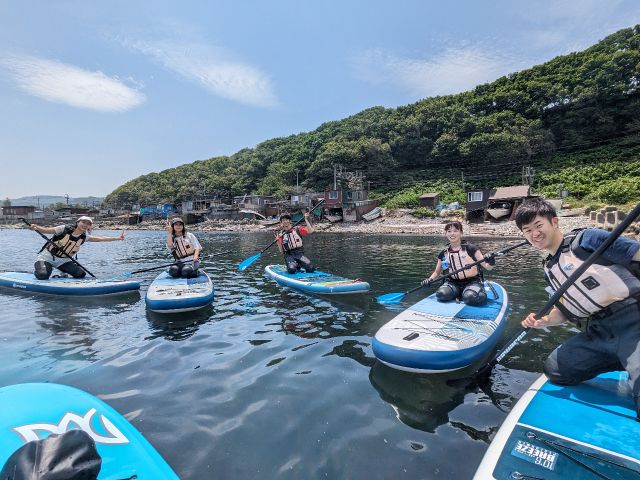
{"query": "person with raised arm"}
[(59, 250), (291, 245), (185, 248)]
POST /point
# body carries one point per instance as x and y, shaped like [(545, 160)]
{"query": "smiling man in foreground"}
[(603, 302)]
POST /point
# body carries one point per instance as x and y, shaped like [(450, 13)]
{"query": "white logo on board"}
[(29, 432)]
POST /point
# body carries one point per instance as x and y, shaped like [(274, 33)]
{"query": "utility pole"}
[(528, 176), (462, 180), (335, 178), (297, 187)]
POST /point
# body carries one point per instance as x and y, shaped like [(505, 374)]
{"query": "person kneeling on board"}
[(467, 284), (291, 245), (185, 248), (67, 239), (604, 303)]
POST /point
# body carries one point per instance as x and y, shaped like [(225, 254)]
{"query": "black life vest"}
[(601, 285), (65, 242), (291, 240), (182, 247), (456, 259)]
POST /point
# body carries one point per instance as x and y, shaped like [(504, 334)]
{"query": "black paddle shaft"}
[(61, 250), (619, 230), (174, 263)]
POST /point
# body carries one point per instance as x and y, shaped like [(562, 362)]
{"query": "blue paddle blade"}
[(242, 266), (390, 298)]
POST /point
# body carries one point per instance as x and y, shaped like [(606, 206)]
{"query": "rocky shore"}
[(392, 222)]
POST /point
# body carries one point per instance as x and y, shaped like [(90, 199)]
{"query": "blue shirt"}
[(621, 251)]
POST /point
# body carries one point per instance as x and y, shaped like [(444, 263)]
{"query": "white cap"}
[(86, 219)]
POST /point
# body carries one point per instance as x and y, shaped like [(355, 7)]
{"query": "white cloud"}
[(214, 69), (564, 26), (455, 70), (62, 83)]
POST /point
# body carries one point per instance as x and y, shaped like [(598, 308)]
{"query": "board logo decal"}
[(535, 454), (70, 421)]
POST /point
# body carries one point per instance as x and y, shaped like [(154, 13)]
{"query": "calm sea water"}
[(270, 383)]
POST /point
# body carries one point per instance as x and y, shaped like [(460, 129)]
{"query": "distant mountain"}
[(44, 200)]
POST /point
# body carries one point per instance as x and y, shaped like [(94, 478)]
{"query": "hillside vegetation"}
[(575, 118)]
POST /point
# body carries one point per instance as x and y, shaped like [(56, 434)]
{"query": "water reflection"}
[(420, 401), (263, 358), (177, 326)]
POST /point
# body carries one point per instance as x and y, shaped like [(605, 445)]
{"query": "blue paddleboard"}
[(27, 282), (172, 295), (569, 432), (316, 282), (32, 411), (433, 336)]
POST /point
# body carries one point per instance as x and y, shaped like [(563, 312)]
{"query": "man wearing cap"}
[(65, 243)]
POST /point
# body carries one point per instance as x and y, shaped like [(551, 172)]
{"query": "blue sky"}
[(95, 94)]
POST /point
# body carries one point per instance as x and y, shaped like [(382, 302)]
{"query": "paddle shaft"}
[(60, 249), (471, 265), (633, 214), (171, 264)]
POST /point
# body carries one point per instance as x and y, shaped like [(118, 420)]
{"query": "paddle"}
[(482, 375), (65, 253), (169, 265), (242, 266), (393, 298)]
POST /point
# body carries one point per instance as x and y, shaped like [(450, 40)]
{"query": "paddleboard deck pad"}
[(27, 282), (568, 432), (172, 295), (33, 411), (316, 282), (433, 336)]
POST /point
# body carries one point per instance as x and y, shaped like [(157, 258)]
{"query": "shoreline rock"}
[(397, 223)]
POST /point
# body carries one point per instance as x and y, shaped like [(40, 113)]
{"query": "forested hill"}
[(580, 111)]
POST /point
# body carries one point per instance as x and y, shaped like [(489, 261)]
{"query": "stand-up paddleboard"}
[(172, 295), (32, 411), (316, 282), (433, 336), (569, 432), (27, 282)]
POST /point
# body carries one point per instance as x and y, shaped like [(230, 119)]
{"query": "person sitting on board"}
[(290, 244), (185, 248), (467, 284), (603, 303), (66, 239)]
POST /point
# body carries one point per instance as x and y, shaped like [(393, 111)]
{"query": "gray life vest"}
[(291, 240), (601, 285), (65, 242), (456, 259), (182, 247)]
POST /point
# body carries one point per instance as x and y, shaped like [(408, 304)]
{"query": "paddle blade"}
[(390, 298), (242, 266)]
